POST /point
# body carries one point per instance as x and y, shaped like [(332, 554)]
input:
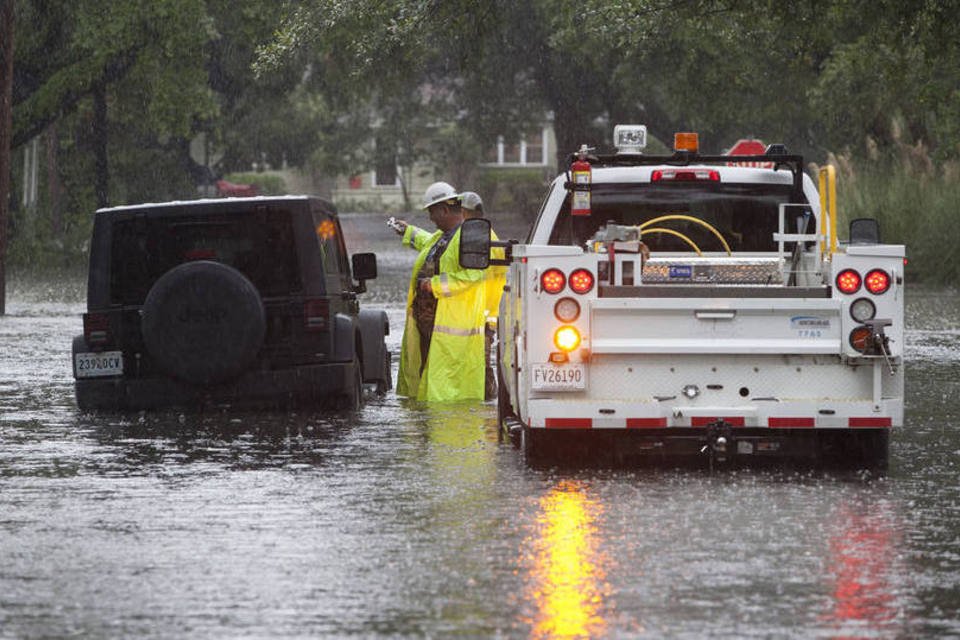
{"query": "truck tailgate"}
[(711, 325)]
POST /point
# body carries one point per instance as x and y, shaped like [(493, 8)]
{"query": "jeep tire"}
[(203, 322)]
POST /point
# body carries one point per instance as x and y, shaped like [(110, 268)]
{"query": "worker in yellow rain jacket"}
[(442, 350), (495, 278)]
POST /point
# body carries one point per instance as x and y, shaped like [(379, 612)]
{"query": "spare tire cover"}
[(203, 322)]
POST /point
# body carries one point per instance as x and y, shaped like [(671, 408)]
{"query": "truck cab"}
[(698, 306)]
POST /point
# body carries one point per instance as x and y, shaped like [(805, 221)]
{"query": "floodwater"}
[(407, 520)]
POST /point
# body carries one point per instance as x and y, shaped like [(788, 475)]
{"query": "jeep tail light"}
[(553, 281), (316, 314), (581, 281), (685, 175), (199, 254), (96, 328), (566, 309), (848, 281), (566, 338), (877, 281)]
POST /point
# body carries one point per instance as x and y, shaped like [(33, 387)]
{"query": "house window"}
[(533, 147), (529, 150), (385, 171), (511, 153), (386, 174)]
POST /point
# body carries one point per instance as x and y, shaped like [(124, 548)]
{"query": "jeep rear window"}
[(747, 215), (259, 246)]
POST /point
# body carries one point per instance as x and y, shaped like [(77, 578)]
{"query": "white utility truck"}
[(697, 306)]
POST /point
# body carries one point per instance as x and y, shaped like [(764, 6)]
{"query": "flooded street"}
[(412, 520)]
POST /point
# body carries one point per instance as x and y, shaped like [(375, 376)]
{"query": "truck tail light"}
[(685, 175), (566, 338), (316, 314), (566, 310), (553, 281), (877, 281), (861, 339), (581, 281), (862, 309), (848, 281), (96, 328)]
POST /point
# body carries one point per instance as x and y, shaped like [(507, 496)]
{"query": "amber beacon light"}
[(686, 141)]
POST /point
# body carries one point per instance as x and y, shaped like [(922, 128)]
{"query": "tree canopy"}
[(819, 77), (345, 85)]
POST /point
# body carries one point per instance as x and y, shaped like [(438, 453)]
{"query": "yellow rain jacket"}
[(493, 282), (455, 361)]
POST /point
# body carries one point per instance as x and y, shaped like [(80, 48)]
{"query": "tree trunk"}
[(102, 178), (6, 124), (572, 130), (54, 185)]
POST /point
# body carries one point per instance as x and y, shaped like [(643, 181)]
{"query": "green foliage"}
[(154, 46), (913, 205), (513, 190), (346, 204), (172, 69), (345, 86), (37, 248)]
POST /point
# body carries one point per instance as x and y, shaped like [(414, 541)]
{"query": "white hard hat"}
[(438, 192), (470, 200)]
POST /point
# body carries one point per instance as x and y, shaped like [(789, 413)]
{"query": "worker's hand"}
[(425, 286), (397, 225)]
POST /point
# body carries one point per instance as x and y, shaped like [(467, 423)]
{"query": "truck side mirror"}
[(864, 231), (475, 243), (364, 266)]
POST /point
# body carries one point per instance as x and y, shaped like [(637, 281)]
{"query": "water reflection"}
[(460, 436), (567, 582), (863, 553), (145, 442)]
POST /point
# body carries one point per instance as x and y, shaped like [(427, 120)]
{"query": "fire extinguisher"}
[(580, 177)]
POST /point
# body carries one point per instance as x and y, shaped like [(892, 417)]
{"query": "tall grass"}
[(916, 202)]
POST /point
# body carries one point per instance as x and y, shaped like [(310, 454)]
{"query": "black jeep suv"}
[(231, 302)]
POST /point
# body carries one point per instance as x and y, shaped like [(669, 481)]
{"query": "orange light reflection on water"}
[(567, 585), (863, 563)]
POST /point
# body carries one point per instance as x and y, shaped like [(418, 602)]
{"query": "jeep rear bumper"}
[(307, 385)]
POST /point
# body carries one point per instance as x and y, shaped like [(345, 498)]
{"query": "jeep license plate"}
[(95, 365), (558, 377)]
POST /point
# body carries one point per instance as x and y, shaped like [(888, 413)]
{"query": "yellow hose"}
[(828, 208), (674, 233), (678, 216)]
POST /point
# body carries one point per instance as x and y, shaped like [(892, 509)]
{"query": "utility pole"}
[(6, 127)]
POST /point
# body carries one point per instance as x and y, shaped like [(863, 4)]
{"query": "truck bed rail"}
[(711, 291)]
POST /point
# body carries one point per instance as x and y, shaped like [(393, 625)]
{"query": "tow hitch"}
[(720, 444)]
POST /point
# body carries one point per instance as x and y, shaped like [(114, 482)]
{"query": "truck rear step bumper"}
[(717, 444)]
